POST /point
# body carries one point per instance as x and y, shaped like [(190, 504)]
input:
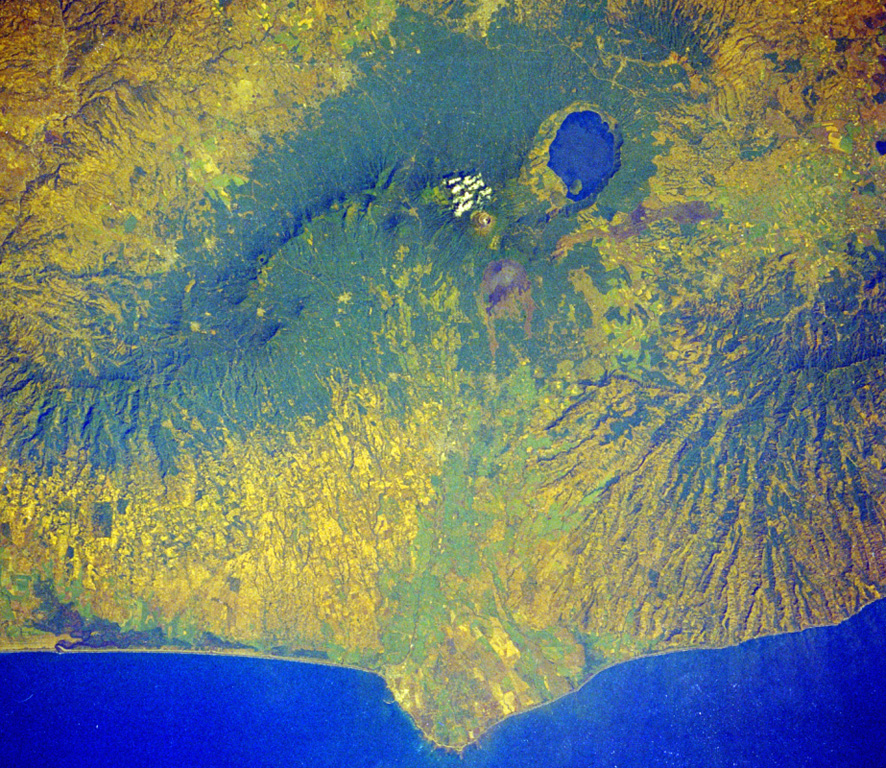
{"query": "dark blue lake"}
[(808, 699)]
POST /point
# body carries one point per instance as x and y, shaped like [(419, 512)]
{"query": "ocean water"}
[(806, 699)]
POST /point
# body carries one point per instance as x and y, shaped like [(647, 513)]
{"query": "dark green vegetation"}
[(303, 429), (656, 29), (258, 314)]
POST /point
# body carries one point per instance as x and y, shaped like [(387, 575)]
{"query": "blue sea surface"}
[(806, 699)]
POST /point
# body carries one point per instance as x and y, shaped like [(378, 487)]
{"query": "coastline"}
[(242, 653)]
